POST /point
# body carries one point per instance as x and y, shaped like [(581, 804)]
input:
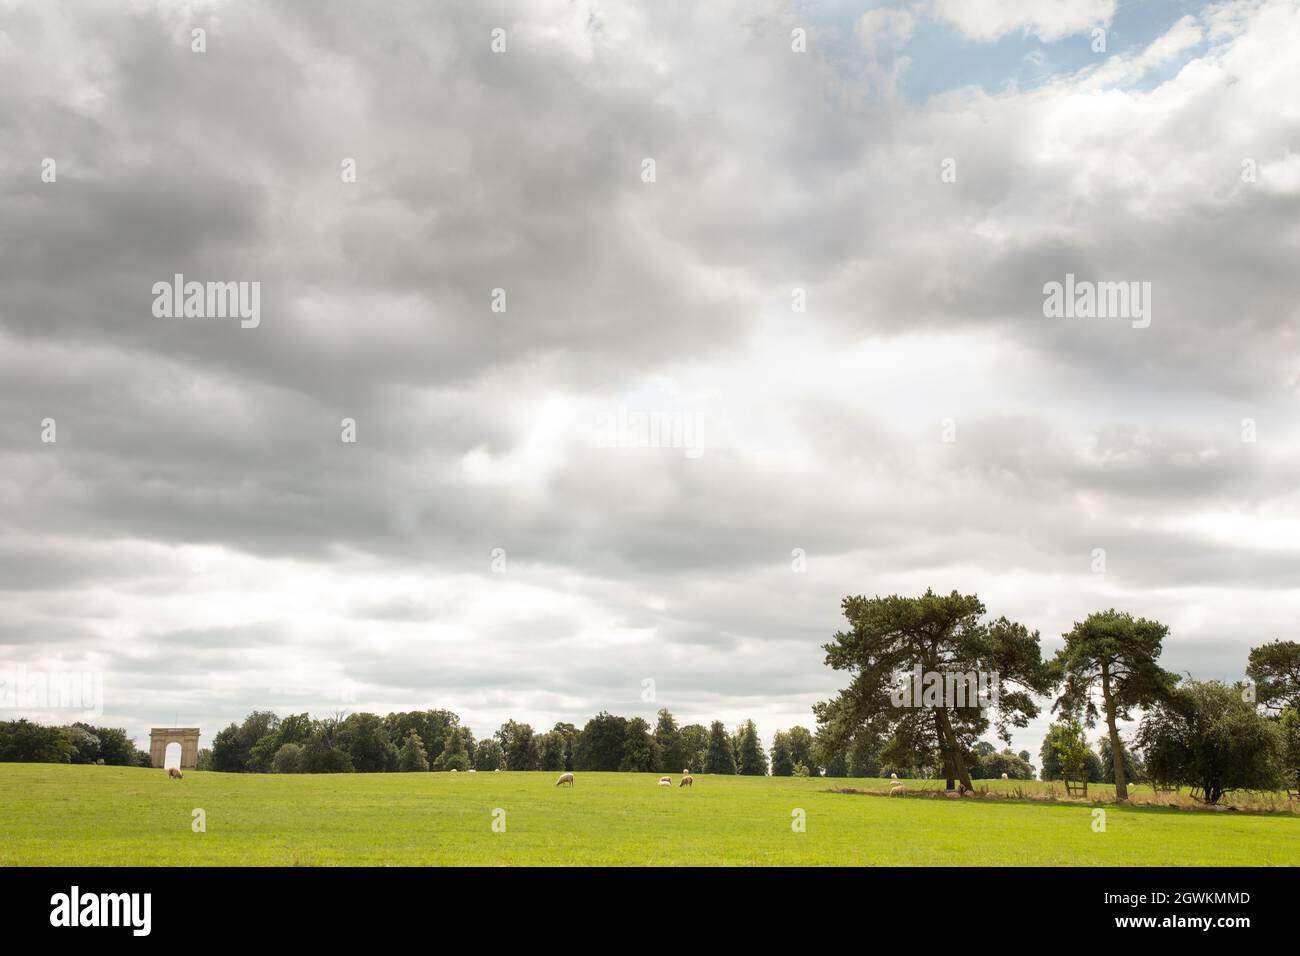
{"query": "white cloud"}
[(1048, 19)]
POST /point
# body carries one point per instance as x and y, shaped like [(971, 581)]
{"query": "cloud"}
[(201, 532), (1049, 20)]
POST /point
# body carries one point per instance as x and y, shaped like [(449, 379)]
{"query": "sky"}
[(827, 291)]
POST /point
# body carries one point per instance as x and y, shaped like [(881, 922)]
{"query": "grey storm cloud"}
[(200, 531)]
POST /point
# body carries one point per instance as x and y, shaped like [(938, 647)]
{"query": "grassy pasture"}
[(83, 815)]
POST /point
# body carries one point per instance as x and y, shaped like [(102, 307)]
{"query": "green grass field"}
[(82, 815)]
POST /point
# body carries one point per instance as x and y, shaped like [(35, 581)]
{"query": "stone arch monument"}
[(187, 737)]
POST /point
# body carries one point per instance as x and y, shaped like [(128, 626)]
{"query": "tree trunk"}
[(947, 760), (1116, 750), (949, 741)]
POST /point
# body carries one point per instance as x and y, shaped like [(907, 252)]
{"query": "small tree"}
[(1072, 752), (411, 757), (288, 759)]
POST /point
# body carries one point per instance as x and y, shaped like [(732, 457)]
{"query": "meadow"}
[(87, 815)]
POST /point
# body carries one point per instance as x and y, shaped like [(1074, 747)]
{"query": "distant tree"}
[(296, 728), (668, 740), (411, 756), (1113, 654), (319, 757), (262, 753), (455, 753), (864, 756), (1050, 763), (232, 747), (366, 741), (1275, 669), (517, 744), (991, 766), (569, 734), (85, 745), (640, 753), (551, 746), (115, 748), (695, 747), (1071, 748), (433, 727), (204, 761), (290, 758), (22, 741), (720, 757), (228, 756), (488, 756), (751, 759), (801, 747), (322, 753), (1205, 735), (1134, 771), (782, 755), (600, 746), (830, 753), (801, 770)]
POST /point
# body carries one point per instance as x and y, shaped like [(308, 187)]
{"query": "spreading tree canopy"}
[(891, 638)]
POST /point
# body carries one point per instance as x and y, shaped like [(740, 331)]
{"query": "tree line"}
[(22, 741), (437, 740)]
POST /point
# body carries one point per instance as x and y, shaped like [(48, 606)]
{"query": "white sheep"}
[(893, 776), (665, 781), (1005, 777)]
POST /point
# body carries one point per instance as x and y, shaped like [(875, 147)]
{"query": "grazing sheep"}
[(1005, 777), (897, 790), (665, 781), (893, 776), (565, 778), (686, 771), (472, 770), (174, 774), (453, 770), (687, 781)]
